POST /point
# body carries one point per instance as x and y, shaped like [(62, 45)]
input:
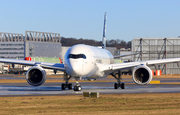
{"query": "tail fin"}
[(104, 33)]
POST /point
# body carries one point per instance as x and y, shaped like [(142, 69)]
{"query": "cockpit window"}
[(76, 56)]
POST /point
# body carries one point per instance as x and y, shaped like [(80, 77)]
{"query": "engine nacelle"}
[(36, 76), (142, 75)]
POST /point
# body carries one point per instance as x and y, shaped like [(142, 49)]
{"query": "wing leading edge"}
[(121, 66), (56, 66)]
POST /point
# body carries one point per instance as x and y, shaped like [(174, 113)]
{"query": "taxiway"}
[(19, 89)]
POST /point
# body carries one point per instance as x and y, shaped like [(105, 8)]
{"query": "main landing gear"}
[(68, 85), (118, 84)]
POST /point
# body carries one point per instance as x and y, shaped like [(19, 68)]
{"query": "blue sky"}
[(126, 19)]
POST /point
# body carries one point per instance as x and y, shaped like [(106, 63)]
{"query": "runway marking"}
[(155, 82)]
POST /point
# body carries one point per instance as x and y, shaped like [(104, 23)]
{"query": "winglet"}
[(104, 33)]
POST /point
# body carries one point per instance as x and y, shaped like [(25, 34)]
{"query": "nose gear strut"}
[(77, 86)]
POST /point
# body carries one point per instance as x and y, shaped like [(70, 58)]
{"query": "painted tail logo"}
[(104, 33)]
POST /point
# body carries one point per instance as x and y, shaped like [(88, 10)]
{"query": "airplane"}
[(88, 62)]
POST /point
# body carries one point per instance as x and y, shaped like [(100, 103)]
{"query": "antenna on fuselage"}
[(104, 33)]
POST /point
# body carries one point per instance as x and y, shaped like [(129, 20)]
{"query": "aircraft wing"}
[(121, 66), (56, 66)]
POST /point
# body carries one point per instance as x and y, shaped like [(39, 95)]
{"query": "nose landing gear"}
[(77, 86), (68, 85)]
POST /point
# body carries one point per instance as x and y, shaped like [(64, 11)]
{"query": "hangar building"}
[(11, 46), (34, 44), (42, 44), (158, 48)]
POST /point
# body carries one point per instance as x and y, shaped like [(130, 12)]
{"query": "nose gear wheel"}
[(77, 86)]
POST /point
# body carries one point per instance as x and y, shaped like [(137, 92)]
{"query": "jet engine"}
[(142, 75), (36, 76)]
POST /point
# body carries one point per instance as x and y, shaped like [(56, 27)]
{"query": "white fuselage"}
[(83, 61)]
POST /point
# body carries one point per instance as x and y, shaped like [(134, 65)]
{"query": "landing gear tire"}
[(70, 86), (115, 86), (77, 88), (63, 86), (122, 86)]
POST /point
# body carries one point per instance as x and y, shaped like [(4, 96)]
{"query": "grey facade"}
[(11, 46), (12, 50), (34, 44), (42, 44), (43, 49), (158, 48)]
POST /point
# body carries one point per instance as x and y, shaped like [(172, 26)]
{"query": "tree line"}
[(109, 43)]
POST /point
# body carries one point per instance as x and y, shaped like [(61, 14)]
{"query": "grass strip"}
[(161, 103)]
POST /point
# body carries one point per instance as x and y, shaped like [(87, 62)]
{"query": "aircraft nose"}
[(76, 68)]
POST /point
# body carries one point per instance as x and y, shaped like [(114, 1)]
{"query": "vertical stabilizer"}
[(104, 33)]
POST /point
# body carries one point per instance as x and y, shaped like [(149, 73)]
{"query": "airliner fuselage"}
[(83, 61)]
